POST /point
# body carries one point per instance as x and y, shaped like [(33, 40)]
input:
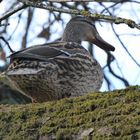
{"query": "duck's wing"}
[(40, 52)]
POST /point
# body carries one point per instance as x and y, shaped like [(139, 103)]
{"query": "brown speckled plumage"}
[(60, 69)]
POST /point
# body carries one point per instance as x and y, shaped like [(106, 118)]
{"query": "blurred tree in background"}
[(23, 25)]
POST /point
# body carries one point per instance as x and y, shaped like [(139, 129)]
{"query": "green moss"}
[(85, 13), (111, 115)]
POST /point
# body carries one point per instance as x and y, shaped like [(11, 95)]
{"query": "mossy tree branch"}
[(45, 5), (113, 115), (116, 20)]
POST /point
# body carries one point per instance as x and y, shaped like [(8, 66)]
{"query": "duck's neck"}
[(70, 38)]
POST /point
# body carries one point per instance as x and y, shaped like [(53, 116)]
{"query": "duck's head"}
[(83, 29)]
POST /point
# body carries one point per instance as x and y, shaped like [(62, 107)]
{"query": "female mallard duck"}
[(60, 69)]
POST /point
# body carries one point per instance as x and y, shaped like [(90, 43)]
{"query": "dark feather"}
[(40, 52)]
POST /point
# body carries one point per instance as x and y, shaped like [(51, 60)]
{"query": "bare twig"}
[(28, 23), (138, 64), (5, 24), (109, 61), (18, 8), (2, 38), (107, 81), (116, 20), (17, 24)]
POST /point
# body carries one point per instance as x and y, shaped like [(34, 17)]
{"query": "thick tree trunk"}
[(108, 115)]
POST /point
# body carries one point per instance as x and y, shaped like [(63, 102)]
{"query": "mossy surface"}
[(108, 115)]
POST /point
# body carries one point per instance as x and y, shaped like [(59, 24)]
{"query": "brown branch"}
[(8, 14), (29, 19), (101, 17)]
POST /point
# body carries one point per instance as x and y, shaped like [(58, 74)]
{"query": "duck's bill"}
[(103, 44)]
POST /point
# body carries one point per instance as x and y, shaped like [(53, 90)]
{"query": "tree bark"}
[(107, 115)]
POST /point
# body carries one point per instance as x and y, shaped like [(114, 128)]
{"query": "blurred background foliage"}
[(32, 26)]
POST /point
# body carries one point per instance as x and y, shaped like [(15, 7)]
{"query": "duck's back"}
[(54, 71)]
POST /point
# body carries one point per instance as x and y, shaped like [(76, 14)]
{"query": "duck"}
[(60, 69)]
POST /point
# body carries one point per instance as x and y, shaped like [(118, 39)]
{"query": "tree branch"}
[(18, 8), (125, 48), (116, 20), (7, 44), (28, 23)]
